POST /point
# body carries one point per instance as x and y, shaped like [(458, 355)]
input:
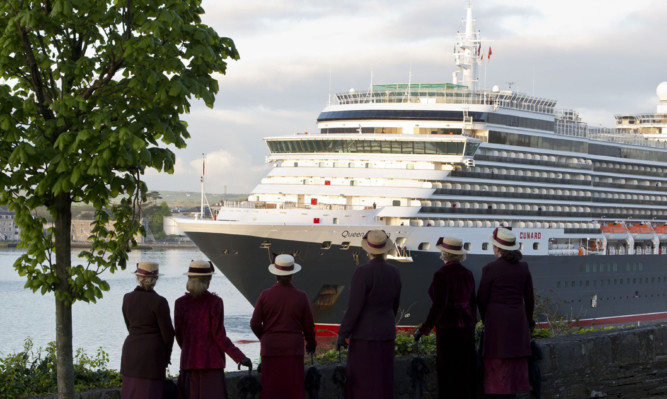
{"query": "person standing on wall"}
[(282, 319), (453, 313), (369, 322), (200, 332), (147, 349), (506, 302)]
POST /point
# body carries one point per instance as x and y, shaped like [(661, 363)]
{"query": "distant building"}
[(9, 231), (82, 229)]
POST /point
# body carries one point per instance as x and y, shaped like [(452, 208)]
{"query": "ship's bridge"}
[(428, 147)]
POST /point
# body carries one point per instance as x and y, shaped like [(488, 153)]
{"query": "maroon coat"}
[(452, 292), (200, 332), (506, 302), (375, 293), (147, 349), (282, 319)]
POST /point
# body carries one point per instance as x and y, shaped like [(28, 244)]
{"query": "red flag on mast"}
[(489, 56)]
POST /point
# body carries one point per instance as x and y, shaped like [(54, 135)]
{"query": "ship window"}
[(345, 245), (424, 246), (466, 246), (485, 246), (326, 245), (573, 284), (396, 203), (557, 284), (536, 246), (265, 244), (520, 246)]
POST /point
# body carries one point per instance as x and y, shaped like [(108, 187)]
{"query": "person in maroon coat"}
[(453, 313), (369, 322), (506, 302), (282, 319), (200, 332), (147, 349)]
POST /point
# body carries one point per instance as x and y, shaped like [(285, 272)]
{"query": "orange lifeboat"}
[(613, 228), (639, 228)]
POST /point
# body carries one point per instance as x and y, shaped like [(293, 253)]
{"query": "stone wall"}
[(629, 363)]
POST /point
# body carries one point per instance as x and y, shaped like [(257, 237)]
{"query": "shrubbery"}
[(33, 372)]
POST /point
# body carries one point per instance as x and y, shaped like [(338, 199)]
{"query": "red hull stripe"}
[(331, 330)]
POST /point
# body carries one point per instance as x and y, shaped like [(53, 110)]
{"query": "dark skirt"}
[(455, 362), (202, 384), (141, 388), (506, 376), (370, 369), (282, 377)]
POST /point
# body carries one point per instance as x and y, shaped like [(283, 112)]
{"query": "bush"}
[(33, 372), (404, 345)]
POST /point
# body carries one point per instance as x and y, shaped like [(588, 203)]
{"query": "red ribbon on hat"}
[(146, 272), (284, 268)]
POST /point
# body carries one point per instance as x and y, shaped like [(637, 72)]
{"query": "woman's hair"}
[(284, 279), (382, 256), (197, 285), (147, 282), (510, 256), (450, 257)]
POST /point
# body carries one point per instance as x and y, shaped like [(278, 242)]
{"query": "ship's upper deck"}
[(445, 93)]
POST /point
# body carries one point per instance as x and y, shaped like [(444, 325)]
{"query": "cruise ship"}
[(423, 161)]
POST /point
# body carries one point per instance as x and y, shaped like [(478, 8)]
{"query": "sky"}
[(599, 57)]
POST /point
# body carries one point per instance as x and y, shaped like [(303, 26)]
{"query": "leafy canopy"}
[(89, 91)]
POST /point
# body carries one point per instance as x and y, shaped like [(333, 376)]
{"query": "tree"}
[(89, 91)]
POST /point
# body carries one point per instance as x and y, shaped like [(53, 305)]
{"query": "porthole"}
[(485, 246), (424, 246), (536, 246), (326, 245)]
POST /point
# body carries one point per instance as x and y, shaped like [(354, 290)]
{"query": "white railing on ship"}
[(578, 129), (440, 96), (290, 205)]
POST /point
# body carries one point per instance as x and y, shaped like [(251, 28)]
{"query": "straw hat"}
[(200, 268), (284, 265), (503, 238), (377, 242), (452, 245), (149, 269)]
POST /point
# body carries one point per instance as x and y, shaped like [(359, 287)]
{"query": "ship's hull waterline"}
[(598, 290)]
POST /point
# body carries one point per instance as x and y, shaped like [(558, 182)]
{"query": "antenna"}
[(203, 171)]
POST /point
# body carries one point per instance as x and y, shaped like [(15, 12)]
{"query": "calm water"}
[(27, 314)]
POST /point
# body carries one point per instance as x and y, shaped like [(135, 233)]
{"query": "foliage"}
[(404, 345), (552, 319), (33, 372), (89, 90)]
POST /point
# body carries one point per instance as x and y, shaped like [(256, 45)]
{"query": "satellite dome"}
[(495, 89), (661, 91), (352, 91)]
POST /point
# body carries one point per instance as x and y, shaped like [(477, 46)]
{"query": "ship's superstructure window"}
[(372, 147)]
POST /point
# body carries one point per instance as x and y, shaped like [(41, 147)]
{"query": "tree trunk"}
[(64, 352)]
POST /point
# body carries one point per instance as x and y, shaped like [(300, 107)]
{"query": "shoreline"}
[(156, 245)]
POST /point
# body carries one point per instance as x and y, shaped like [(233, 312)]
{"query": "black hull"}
[(598, 289)]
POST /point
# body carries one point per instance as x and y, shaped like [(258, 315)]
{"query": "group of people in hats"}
[(283, 320), (198, 328), (505, 301)]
